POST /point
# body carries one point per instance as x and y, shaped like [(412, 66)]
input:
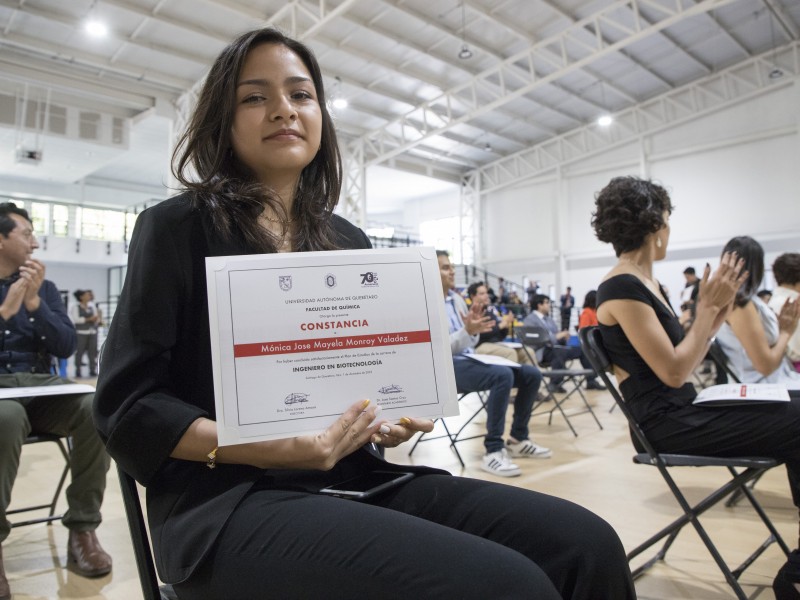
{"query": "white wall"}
[(425, 208), (73, 266), (736, 172)]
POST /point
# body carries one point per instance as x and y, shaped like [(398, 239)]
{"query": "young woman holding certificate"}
[(248, 521), (653, 359)]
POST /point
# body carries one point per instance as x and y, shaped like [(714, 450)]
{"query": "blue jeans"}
[(474, 376)]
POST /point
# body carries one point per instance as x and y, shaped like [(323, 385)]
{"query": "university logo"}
[(330, 280), (369, 279), (285, 281)]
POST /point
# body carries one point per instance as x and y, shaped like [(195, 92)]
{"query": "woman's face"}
[(277, 124)]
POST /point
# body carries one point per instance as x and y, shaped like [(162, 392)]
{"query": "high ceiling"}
[(537, 69)]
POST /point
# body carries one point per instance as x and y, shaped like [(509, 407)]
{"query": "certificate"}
[(738, 394), (297, 338), (61, 389)]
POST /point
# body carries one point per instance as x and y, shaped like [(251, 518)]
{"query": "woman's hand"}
[(345, 435), (788, 317), (391, 435), (718, 292)]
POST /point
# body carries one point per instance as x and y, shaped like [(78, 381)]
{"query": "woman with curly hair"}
[(267, 177), (653, 357), (753, 337)]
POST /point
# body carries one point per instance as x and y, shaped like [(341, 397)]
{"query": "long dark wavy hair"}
[(753, 255), (204, 162)]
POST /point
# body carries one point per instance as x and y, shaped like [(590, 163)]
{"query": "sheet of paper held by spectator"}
[(738, 394), (296, 338), (46, 390)]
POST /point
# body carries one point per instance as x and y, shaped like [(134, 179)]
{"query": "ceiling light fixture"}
[(93, 26), (605, 120), (776, 72), (338, 101), (465, 53), (96, 28)]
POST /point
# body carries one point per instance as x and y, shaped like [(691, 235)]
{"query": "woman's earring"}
[(658, 242)]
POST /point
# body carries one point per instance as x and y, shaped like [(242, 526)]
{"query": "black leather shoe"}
[(5, 589), (556, 389), (85, 555), (595, 385)]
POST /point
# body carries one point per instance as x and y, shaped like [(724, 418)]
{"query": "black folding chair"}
[(753, 467), (64, 446), (454, 438), (141, 541), (532, 339), (720, 360)]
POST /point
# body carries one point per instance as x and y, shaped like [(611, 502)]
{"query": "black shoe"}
[(593, 384), (556, 389)]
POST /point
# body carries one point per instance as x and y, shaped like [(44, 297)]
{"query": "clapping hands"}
[(718, 291), (476, 321)]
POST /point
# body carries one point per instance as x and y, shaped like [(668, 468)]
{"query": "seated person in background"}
[(472, 376), (588, 317), (557, 353), (37, 328), (754, 338), (765, 295), (786, 270), (653, 357), (262, 172), (513, 298), (489, 342)]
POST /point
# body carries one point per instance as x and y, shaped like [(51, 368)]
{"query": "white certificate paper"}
[(297, 338), (738, 394)]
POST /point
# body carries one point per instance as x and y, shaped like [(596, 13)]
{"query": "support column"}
[(560, 218), (471, 250), (353, 202)]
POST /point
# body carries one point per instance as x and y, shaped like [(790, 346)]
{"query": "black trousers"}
[(435, 537), (771, 430)]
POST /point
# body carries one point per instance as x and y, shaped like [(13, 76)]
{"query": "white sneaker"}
[(527, 449), (499, 463)]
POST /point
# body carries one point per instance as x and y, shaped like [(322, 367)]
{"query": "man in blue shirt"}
[(34, 327), (558, 352), (465, 326)]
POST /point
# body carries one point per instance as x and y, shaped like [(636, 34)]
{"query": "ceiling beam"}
[(783, 19), (462, 65), (464, 101), (713, 93), (392, 68)]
